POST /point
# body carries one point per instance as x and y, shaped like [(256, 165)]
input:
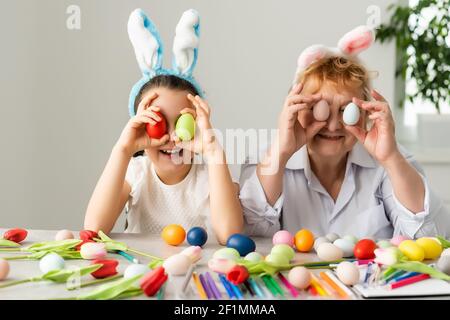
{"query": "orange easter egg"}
[(173, 234), (304, 240)]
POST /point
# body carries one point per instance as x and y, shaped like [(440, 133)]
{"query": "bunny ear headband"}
[(349, 46), (149, 50)]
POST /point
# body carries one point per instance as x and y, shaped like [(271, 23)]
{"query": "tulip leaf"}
[(420, 267), (61, 276), (111, 290), (59, 245), (129, 293), (444, 242), (8, 243), (110, 244)]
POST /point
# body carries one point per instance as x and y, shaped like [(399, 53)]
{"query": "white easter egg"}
[(4, 269), (51, 261), (351, 114), (348, 273), (227, 253), (329, 252), (443, 264), (319, 241), (177, 264), (332, 237), (64, 235), (350, 237), (135, 269), (346, 246), (299, 277), (445, 253), (254, 256)]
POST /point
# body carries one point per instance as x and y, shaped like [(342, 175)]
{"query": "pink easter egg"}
[(396, 240), (64, 235), (283, 237), (4, 269), (93, 250)]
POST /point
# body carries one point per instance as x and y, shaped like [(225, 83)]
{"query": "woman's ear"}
[(185, 44), (356, 41), (146, 42)]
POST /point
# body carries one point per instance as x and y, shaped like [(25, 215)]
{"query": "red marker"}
[(407, 281)]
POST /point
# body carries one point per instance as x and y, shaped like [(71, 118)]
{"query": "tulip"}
[(78, 247), (221, 265), (93, 250), (86, 235), (16, 235), (193, 252), (237, 275), (388, 256), (108, 269), (153, 281)]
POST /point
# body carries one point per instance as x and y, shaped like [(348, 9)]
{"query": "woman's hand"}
[(204, 141), (134, 136), (380, 140), (294, 118)]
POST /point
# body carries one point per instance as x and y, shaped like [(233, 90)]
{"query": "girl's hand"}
[(134, 136), (294, 118), (205, 141), (380, 140)]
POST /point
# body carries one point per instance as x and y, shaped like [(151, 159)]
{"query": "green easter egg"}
[(185, 127), (227, 253), (283, 249), (277, 259), (384, 244)]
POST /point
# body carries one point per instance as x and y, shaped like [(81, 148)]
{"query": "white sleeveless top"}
[(153, 204)]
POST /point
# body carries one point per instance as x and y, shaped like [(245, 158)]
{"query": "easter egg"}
[(4, 269), (221, 265), (396, 240), (193, 252), (185, 127), (173, 234), (384, 244), (254, 257), (319, 241), (158, 130), (365, 249), (346, 246), (321, 110), (177, 264), (348, 273), (243, 244), (329, 252), (332, 237), (412, 250), (443, 264), (284, 250), (51, 261), (93, 250), (135, 269), (351, 114), (431, 247), (299, 277), (304, 240), (277, 259), (227, 253), (63, 235), (283, 237), (197, 236), (446, 252), (351, 238)]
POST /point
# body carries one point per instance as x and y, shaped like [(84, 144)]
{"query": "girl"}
[(161, 187), (328, 176)]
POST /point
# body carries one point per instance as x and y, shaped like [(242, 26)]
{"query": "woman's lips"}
[(329, 137)]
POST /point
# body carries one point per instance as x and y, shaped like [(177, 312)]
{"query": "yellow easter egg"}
[(432, 248), (412, 250)]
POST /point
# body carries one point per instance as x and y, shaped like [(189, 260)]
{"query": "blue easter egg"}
[(243, 244), (197, 236)]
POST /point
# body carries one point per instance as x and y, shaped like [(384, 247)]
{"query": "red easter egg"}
[(364, 249), (158, 130)]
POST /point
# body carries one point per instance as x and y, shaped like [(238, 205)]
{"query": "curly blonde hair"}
[(341, 72)]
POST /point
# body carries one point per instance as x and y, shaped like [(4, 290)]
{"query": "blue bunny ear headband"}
[(149, 50)]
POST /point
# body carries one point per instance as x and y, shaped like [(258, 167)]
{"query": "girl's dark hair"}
[(164, 81)]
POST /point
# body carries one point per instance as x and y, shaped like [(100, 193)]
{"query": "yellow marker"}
[(318, 287), (199, 286)]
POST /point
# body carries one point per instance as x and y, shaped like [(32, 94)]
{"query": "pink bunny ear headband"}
[(349, 46)]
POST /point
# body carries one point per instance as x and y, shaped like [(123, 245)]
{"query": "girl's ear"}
[(357, 40), (185, 44), (309, 56), (146, 42)]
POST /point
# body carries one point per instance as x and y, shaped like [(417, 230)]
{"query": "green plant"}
[(421, 33)]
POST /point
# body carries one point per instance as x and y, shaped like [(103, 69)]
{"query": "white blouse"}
[(366, 205)]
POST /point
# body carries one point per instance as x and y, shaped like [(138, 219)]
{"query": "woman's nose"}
[(334, 121)]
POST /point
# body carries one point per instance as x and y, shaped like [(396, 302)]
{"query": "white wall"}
[(63, 94)]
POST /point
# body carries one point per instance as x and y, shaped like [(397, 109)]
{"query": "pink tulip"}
[(93, 250), (193, 252)]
